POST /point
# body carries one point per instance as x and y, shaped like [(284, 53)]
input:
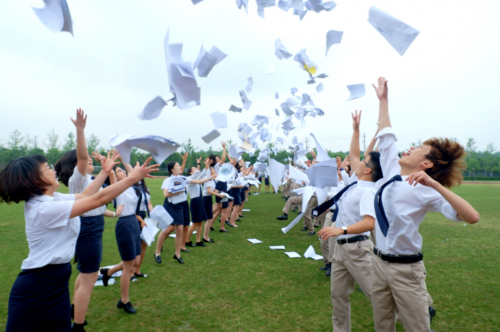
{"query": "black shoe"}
[(105, 277), (77, 327), (282, 217), (141, 275), (328, 269), (200, 244), (209, 241), (179, 259), (311, 233), (432, 312), (157, 258), (73, 315), (190, 244), (126, 306), (303, 229), (242, 216), (212, 229), (223, 231), (231, 225), (133, 279), (185, 250), (323, 268)]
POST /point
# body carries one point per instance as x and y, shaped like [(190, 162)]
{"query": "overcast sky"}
[(447, 83)]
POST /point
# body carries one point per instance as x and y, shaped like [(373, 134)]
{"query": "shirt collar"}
[(366, 184)]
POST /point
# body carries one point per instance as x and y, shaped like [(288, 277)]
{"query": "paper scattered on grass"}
[(254, 241), (277, 247), (292, 254)]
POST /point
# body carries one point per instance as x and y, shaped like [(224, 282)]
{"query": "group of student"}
[(62, 226), (371, 221)]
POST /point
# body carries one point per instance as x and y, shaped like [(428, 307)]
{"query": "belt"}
[(353, 239), (405, 259)]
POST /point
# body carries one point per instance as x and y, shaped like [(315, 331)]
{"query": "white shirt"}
[(209, 184), (194, 190), (405, 205), (143, 201), (178, 198), (51, 234), (77, 184), (356, 203), (129, 200)]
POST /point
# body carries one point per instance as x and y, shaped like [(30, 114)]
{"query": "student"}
[(128, 238), (176, 205), (39, 299), (209, 191), (74, 170), (355, 218), (144, 210), (412, 185), (266, 181), (197, 205), (220, 208)]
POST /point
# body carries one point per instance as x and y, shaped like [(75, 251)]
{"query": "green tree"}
[(93, 143), (15, 140), (69, 143)]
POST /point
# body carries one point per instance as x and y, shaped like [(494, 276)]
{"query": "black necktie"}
[(379, 207), (145, 198), (325, 206)]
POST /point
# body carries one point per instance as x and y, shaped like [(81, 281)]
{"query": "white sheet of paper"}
[(277, 247), (225, 172), (235, 109), (249, 85), (276, 170), (244, 100), (325, 174), (270, 71), (298, 175), (293, 223), (356, 90), (55, 16), (292, 254), (320, 87), (254, 241), (306, 197), (246, 210), (161, 216), (211, 136), (99, 282), (321, 154), (280, 50), (333, 37), (159, 147), (148, 233), (310, 253), (219, 119), (153, 109), (399, 34)]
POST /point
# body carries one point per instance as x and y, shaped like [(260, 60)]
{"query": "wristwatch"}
[(344, 228)]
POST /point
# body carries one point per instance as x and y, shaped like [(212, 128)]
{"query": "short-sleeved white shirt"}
[(129, 200), (206, 185), (50, 232), (77, 184), (178, 198)]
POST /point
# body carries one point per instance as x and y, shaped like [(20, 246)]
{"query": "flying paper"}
[(356, 90), (153, 109), (249, 85), (161, 216), (276, 170), (321, 153), (219, 119), (293, 223), (206, 61), (211, 136), (307, 64), (55, 16), (320, 87), (148, 233), (270, 71), (235, 109), (280, 50), (244, 100), (159, 147), (318, 6), (225, 172), (399, 34), (333, 37)]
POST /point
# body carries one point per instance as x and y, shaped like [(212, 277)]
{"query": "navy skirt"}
[(198, 209), (266, 181), (39, 300), (221, 187), (88, 250), (237, 196), (179, 212), (243, 195), (128, 237), (207, 200)]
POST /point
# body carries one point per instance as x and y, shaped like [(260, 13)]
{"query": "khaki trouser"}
[(297, 200), (328, 246), (351, 262), (313, 202), (320, 220), (286, 189), (400, 288)]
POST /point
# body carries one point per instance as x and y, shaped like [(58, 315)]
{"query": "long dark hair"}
[(21, 179), (66, 166)]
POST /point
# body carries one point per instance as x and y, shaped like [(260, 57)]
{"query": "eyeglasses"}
[(51, 167), (367, 165)]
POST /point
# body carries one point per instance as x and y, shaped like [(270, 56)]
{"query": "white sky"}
[(446, 84)]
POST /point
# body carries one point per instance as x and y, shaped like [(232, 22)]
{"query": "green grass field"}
[(233, 285)]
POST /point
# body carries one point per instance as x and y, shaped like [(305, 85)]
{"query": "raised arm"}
[(107, 167), (370, 147), (82, 155), (224, 154), (354, 153), (184, 159), (381, 90)]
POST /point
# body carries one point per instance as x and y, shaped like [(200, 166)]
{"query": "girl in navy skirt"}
[(266, 181), (88, 251), (39, 299), (209, 191), (197, 205), (177, 207)]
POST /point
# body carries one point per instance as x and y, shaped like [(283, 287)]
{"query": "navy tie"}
[(379, 207), (326, 205), (145, 198)]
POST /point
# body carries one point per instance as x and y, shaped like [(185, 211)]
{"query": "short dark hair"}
[(213, 159), (375, 166), (170, 166), (65, 166), (21, 180)]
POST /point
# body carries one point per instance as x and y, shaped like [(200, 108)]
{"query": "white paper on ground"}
[(356, 90), (399, 34), (292, 254), (277, 247), (333, 37), (99, 282), (254, 241), (219, 119), (211, 136), (117, 274), (246, 210), (293, 223), (321, 154), (55, 16), (310, 253), (153, 109), (148, 233), (276, 170)]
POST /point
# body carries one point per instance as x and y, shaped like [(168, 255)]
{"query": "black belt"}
[(353, 239), (405, 259)]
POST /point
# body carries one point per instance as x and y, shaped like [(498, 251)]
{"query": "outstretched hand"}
[(109, 162), (422, 178), (356, 120), (97, 156), (198, 161), (81, 119), (142, 171), (382, 89), (185, 156)]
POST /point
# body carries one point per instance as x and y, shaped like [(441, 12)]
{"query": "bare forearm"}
[(384, 120), (224, 155), (96, 184), (365, 225), (82, 155), (168, 194), (109, 214), (354, 152), (464, 210)]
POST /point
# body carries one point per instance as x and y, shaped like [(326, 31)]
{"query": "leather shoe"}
[(185, 250), (223, 231), (190, 244), (212, 229), (77, 327), (282, 217), (179, 259), (432, 312), (200, 244), (303, 229), (328, 270), (157, 258), (105, 277), (311, 233), (323, 268), (210, 240), (127, 307)]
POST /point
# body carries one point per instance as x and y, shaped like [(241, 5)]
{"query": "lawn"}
[(233, 285)]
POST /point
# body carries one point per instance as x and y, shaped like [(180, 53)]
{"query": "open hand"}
[(422, 178), (97, 156), (356, 120), (198, 161), (81, 120), (185, 156), (109, 162), (382, 90), (140, 172)]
